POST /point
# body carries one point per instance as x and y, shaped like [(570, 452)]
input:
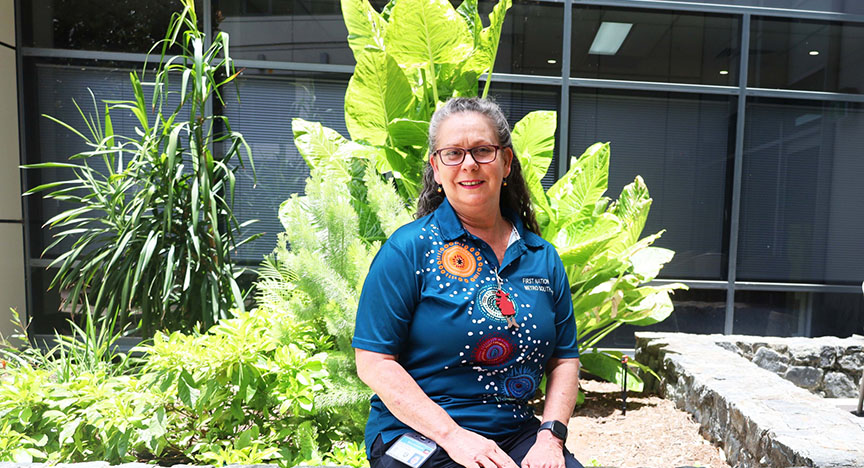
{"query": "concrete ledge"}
[(759, 418)]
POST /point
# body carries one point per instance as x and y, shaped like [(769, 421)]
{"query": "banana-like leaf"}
[(534, 144), (654, 308), (574, 196), (407, 132), (378, 93), (486, 49), (469, 12), (425, 32), (607, 366), (578, 242), (365, 26), (648, 262), (632, 209)]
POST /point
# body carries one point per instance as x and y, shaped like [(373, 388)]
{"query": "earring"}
[(439, 188), (505, 182)]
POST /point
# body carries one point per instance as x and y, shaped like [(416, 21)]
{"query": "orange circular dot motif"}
[(458, 261)]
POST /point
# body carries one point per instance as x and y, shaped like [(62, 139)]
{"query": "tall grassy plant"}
[(153, 233)]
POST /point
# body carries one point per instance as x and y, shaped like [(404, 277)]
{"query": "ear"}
[(508, 160), (434, 163)]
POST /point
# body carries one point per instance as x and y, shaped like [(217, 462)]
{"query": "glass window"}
[(771, 313), (309, 31), (849, 7), (806, 55), (530, 37), (837, 314), (696, 311), (681, 145), (801, 191), (98, 25), (655, 45), (518, 100), (267, 105)]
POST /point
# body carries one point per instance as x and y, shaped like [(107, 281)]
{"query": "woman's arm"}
[(407, 401), (562, 389)]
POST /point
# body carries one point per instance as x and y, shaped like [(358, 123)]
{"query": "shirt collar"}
[(451, 228)]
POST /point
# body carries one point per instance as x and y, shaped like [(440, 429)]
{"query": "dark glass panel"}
[(518, 100), (98, 25), (837, 314), (658, 45), (806, 55), (682, 146), (309, 31), (801, 216), (771, 313), (268, 103), (852, 7), (696, 311), (530, 37)]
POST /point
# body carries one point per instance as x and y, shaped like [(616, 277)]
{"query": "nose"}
[(469, 165)]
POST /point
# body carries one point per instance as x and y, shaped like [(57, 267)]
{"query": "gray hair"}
[(485, 107)]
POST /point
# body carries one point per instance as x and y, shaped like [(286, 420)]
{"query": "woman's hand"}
[(472, 450), (547, 452)]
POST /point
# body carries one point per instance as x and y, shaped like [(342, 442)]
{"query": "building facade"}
[(744, 117)]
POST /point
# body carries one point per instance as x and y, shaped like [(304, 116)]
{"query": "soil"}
[(653, 433)]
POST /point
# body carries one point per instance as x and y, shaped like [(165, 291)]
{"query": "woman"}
[(462, 312)]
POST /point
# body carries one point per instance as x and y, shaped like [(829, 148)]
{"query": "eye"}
[(484, 151), (451, 153)]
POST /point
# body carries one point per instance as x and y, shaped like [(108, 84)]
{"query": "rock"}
[(771, 360), (808, 355), (852, 362), (804, 377), (839, 385)]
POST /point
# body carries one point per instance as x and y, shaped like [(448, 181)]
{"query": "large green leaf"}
[(607, 365), (574, 196), (578, 242), (648, 262), (632, 209), (365, 26), (483, 57), (425, 32), (377, 94), (315, 142), (407, 132), (534, 144), (653, 308)]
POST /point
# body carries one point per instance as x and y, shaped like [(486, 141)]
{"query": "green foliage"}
[(435, 52), (236, 394), (410, 58), (153, 229)]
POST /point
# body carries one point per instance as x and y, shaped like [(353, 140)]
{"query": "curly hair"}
[(514, 197)]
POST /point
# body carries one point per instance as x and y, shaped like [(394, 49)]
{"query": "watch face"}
[(557, 428)]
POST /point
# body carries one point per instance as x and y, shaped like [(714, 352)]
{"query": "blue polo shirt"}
[(429, 298)]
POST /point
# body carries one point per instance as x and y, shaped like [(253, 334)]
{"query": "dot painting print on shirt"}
[(507, 362)]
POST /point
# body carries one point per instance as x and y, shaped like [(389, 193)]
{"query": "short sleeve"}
[(565, 323), (389, 296)]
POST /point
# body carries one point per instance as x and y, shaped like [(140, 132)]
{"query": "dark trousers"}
[(516, 445)]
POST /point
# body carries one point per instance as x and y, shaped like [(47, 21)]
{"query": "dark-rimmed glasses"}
[(454, 155)]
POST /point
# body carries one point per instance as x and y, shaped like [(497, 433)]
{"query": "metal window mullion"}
[(727, 9), (564, 115), (734, 222)]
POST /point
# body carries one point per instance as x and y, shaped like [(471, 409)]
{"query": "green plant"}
[(416, 54), (153, 231)]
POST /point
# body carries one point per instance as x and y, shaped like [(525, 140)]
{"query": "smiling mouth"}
[(471, 183)]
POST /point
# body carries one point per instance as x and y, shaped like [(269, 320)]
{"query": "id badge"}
[(412, 449)]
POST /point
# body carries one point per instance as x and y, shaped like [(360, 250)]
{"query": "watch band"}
[(557, 428)]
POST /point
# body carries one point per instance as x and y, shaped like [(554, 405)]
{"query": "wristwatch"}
[(557, 428)]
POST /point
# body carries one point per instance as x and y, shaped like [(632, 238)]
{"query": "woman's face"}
[(473, 189)]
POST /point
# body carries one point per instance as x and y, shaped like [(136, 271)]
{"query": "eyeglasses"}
[(453, 156)]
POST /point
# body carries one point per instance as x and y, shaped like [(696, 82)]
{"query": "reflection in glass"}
[(806, 55), (680, 145), (837, 314), (309, 31), (263, 115), (518, 100), (97, 25), (696, 311), (772, 313), (655, 45), (801, 218), (530, 37)]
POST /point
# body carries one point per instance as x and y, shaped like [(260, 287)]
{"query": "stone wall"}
[(828, 366), (757, 417)]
